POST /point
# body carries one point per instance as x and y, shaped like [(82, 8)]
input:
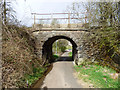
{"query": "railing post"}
[(51, 19), (68, 20)]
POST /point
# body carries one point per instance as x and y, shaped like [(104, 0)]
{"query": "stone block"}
[(80, 61)]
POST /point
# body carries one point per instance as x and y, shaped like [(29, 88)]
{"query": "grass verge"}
[(70, 54), (55, 56), (99, 76)]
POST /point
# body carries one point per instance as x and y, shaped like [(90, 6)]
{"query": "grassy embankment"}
[(99, 76), (104, 45), (20, 67)]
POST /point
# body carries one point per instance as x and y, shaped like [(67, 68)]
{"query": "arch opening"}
[(47, 53), (61, 46)]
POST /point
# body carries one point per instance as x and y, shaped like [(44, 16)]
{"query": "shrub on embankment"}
[(103, 46), (18, 56)]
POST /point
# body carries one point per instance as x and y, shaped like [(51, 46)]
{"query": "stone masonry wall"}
[(76, 36)]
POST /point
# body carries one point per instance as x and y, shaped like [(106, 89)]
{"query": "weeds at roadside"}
[(37, 73), (70, 54), (55, 56)]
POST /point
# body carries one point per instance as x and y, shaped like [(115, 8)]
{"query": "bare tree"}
[(103, 13), (98, 13), (78, 11), (8, 13)]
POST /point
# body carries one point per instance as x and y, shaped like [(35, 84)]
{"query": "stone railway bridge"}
[(46, 37)]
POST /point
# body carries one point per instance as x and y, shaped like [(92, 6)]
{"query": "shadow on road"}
[(64, 58)]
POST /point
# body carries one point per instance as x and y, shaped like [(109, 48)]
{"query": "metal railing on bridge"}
[(53, 24)]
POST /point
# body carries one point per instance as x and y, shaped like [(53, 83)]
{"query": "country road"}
[(61, 76)]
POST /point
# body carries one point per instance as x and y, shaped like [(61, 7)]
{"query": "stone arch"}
[(47, 47)]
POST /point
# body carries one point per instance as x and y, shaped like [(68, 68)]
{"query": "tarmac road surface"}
[(61, 75)]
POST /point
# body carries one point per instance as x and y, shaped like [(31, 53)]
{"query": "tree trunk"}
[(119, 13), (4, 12)]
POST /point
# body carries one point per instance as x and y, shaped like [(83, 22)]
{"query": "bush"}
[(63, 48)]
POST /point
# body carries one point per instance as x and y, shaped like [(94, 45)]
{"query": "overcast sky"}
[(24, 8)]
